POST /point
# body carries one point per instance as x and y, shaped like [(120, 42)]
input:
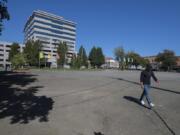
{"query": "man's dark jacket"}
[(146, 77)]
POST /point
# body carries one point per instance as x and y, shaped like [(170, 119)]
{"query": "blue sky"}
[(144, 26)]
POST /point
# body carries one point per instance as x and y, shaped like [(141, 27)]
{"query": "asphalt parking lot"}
[(87, 103)]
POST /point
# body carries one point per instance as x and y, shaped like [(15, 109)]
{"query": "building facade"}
[(5, 47), (152, 60), (156, 65), (51, 29), (178, 61), (111, 63)]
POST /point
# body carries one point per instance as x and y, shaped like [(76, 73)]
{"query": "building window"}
[(43, 38), (54, 21), (8, 46), (47, 34), (54, 31), (48, 24), (47, 50)]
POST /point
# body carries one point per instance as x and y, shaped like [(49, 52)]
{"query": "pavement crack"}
[(164, 122)]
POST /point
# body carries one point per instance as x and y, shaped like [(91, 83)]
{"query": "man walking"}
[(145, 81)]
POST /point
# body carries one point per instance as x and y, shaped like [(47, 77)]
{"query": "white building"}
[(111, 63), (5, 47), (51, 29)]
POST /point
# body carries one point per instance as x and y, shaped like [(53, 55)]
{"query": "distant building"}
[(51, 29), (156, 65), (5, 47), (151, 59), (178, 61), (111, 63)]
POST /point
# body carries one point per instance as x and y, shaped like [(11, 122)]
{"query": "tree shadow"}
[(135, 100), (18, 100)]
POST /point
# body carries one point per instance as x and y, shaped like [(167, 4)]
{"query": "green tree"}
[(137, 59), (4, 14), (128, 59), (100, 59), (167, 59), (31, 50), (82, 57), (75, 62), (92, 56), (96, 57), (18, 60), (14, 50), (62, 52), (144, 62), (120, 55)]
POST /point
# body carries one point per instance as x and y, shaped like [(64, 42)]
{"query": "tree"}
[(120, 55), (82, 57), (99, 57), (14, 50), (62, 52), (75, 62), (144, 62), (4, 14), (167, 59), (96, 57), (31, 50), (137, 59), (92, 56), (18, 60)]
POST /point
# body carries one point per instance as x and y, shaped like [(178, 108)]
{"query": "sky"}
[(144, 26)]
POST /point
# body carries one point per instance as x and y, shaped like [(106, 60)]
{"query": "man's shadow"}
[(98, 133), (135, 100)]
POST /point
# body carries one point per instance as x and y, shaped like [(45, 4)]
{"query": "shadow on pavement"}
[(164, 122), (156, 88), (98, 133), (135, 100), (18, 100)]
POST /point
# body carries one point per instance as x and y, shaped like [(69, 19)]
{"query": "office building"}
[(5, 47), (51, 29)]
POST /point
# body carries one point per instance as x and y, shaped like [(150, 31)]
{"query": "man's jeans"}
[(146, 93)]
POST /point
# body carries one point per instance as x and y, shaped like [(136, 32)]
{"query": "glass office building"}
[(51, 29)]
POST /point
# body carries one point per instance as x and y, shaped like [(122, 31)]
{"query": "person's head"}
[(148, 67)]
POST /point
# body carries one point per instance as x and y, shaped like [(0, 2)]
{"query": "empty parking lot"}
[(87, 103)]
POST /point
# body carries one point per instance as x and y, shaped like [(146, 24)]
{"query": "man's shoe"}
[(152, 105), (142, 102)]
